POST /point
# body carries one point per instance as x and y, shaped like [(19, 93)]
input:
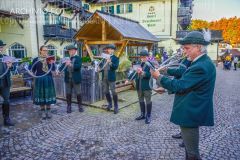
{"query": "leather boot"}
[(177, 136), (109, 100), (148, 116), (79, 100), (7, 120), (69, 103), (115, 100), (142, 108)]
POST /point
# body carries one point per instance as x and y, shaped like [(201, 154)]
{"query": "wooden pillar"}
[(120, 51), (88, 50), (104, 35), (150, 47)]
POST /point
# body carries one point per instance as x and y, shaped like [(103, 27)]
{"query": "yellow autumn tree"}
[(230, 28)]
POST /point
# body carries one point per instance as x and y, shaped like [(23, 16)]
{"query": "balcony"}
[(186, 3), (58, 32), (184, 21), (183, 11), (74, 4), (216, 35)]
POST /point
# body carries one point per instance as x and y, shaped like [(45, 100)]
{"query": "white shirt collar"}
[(74, 54), (198, 57)]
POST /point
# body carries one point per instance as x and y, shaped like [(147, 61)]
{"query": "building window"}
[(120, 9), (51, 18), (65, 52), (17, 50), (52, 50), (124, 8), (108, 9), (128, 8), (86, 6)]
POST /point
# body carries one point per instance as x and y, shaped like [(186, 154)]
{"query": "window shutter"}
[(118, 9), (130, 8), (58, 19), (46, 17), (112, 9), (70, 23)]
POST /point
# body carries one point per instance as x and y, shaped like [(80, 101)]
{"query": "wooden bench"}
[(19, 85), (121, 86)]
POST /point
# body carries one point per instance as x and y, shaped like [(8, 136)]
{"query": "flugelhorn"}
[(5, 60), (103, 61), (173, 61)]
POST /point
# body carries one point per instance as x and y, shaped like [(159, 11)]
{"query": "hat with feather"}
[(196, 37)]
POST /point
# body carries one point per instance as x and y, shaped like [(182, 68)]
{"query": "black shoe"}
[(69, 109), (148, 119), (177, 136), (109, 100), (182, 145), (8, 122), (140, 117), (115, 110)]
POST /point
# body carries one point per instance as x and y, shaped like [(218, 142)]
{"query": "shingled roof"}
[(127, 28)]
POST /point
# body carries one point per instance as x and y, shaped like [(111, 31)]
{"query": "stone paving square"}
[(100, 135)]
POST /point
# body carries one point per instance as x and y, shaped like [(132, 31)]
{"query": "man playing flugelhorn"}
[(142, 76), (5, 84), (193, 103), (108, 68), (73, 78)]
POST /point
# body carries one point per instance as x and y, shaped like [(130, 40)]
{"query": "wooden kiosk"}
[(103, 28)]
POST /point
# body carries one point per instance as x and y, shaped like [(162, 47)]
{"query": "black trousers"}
[(5, 93)]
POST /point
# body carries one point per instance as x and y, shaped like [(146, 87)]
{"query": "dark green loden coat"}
[(193, 103), (112, 70), (77, 65), (145, 78), (7, 77)]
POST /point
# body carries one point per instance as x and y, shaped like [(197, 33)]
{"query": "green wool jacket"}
[(76, 73), (6, 80), (145, 78), (112, 70), (193, 102)]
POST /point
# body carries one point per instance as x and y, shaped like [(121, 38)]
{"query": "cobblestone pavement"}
[(98, 134)]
